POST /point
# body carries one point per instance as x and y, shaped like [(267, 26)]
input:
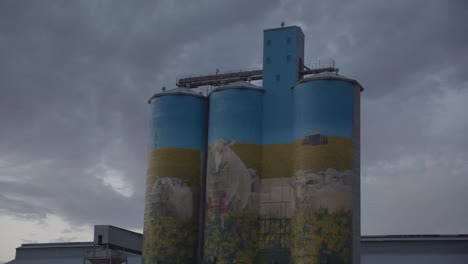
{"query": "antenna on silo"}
[(164, 88), (282, 24)]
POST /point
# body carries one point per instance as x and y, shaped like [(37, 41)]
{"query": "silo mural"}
[(234, 154), (176, 154), (323, 178), (257, 174)]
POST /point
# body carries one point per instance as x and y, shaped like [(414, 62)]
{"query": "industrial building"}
[(111, 245), (408, 249), (250, 174)]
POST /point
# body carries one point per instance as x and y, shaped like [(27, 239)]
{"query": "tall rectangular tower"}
[(283, 56)]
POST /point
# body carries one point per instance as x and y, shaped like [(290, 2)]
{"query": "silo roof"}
[(328, 76), (176, 91), (237, 85)]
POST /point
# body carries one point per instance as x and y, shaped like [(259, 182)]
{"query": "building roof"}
[(77, 255), (69, 260), (176, 91), (430, 237), (56, 245), (328, 76), (388, 238), (237, 85), (284, 27), (123, 229)]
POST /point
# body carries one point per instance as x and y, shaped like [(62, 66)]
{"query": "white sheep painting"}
[(328, 189), (172, 197), (228, 180)]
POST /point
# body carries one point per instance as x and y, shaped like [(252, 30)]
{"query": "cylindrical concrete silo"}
[(325, 225), (176, 158), (233, 167)]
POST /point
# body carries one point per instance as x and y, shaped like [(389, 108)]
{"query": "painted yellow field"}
[(282, 160), (270, 161), (250, 154), (173, 162), (277, 160), (337, 154)]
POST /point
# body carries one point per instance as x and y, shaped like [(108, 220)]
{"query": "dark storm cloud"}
[(408, 56), (21, 208), (74, 77), (390, 46), (411, 58)]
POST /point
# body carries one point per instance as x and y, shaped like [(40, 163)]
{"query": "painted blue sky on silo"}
[(178, 121), (324, 106), (236, 114)]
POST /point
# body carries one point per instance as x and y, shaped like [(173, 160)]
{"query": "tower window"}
[(278, 77), (288, 40), (268, 60), (268, 42), (288, 58)]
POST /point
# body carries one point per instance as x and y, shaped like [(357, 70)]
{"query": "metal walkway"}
[(252, 75)]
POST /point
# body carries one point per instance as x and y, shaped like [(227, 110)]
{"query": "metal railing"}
[(219, 78), (103, 253), (320, 64)]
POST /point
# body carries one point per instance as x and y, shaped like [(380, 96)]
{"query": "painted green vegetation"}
[(237, 242), (321, 237), (172, 241), (312, 237), (168, 239), (283, 160), (275, 233)]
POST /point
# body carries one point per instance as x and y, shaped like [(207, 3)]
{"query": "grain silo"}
[(176, 161), (234, 156), (325, 227), (278, 165)]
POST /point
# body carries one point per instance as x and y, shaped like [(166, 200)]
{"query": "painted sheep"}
[(228, 180), (328, 189), (172, 197)]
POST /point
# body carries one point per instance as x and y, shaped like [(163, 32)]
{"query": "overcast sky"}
[(75, 77)]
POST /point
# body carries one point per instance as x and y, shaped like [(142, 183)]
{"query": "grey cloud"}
[(416, 194), (21, 208), (391, 46), (74, 83), (78, 198), (75, 75), (29, 241)]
